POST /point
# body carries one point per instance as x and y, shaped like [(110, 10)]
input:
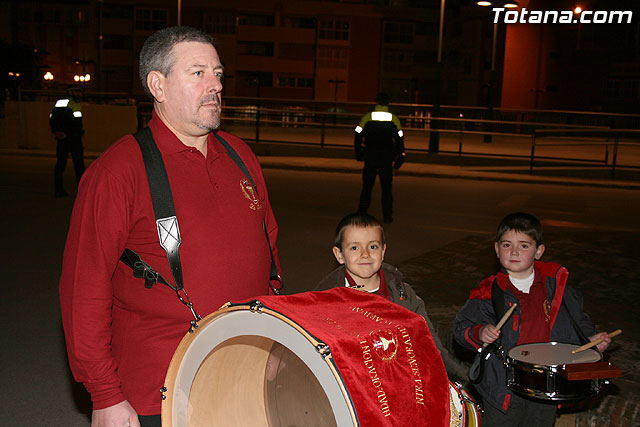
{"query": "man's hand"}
[(488, 334), (120, 415), (59, 135)]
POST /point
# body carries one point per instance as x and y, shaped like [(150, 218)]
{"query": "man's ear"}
[(540, 251), (338, 254), (496, 247), (155, 81)]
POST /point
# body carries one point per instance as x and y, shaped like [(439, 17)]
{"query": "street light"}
[(492, 76), (578, 11), (434, 136), (82, 79), (48, 76)]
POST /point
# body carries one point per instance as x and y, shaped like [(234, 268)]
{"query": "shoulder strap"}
[(273, 275), (163, 208), (581, 336), (497, 299)]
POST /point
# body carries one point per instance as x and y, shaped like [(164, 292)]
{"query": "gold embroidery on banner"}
[(251, 195), (375, 379), (371, 316), (385, 344), (413, 365)]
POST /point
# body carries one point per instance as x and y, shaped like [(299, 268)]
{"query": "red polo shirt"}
[(121, 336)]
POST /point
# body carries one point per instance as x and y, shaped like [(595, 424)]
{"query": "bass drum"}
[(232, 371), (465, 412), (340, 357)]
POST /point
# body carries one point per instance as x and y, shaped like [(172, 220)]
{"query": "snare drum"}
[(535, 370), (465, 412), (334, 358)]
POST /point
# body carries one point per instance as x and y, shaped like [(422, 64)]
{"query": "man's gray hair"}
[(156, 54)]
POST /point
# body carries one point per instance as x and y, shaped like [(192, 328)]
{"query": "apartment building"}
[(310, 50)]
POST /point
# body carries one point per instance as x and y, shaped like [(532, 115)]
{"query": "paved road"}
[(441, 238)]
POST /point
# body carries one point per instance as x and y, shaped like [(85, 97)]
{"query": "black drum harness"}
[(167, 223)]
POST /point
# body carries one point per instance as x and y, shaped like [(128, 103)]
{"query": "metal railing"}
[(609, 139), (521, 134)]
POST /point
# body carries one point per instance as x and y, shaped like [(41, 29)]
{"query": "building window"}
[(253, 78), (117, 11), (332, 57), (117, 42), (425, 58), (151, 19), (334, 30), (297, 22), (426, 29), (220, 24), (255, 48), (256, 20), (621, 88), (398, 32), (397, 60), (296, 51), (285, 80)]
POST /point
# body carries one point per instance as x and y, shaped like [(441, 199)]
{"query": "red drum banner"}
[(384, 353)]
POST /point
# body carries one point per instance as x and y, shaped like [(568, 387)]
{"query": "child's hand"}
[(606, 340), (488, 334)]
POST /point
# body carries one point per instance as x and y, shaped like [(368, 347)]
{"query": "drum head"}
[(552, 354), (243, 368)]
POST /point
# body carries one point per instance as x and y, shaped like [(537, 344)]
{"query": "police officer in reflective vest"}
[(65, 121), (379, 142)]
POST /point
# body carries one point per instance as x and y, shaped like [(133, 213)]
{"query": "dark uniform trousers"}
[(65, 147), (522, 413), (377, 165)]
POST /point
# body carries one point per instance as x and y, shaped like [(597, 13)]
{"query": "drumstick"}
[(506, 316), (504, 319), (596, 342)]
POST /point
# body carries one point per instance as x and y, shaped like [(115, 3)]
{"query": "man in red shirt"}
[(121, 336)]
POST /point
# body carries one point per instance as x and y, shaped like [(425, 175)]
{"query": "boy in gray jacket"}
[(360, 247)]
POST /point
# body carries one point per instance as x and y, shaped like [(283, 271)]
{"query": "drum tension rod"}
[(324, 350), (256, 306)]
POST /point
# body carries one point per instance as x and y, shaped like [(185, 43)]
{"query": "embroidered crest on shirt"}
[(547, 310), (251, 194)]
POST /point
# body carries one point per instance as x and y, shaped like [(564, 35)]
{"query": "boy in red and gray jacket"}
[(539, 289)]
